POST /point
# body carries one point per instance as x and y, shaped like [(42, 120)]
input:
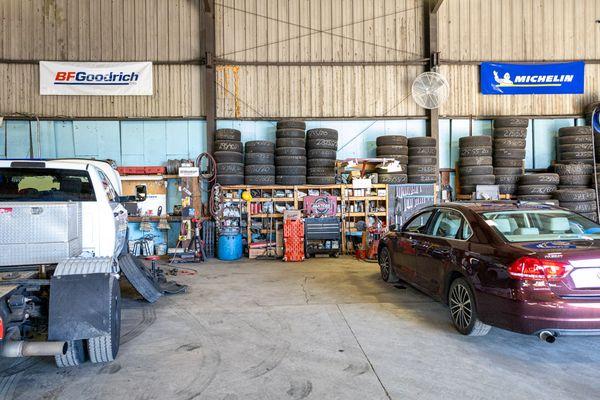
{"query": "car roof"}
[(479, 206), (31, 163)]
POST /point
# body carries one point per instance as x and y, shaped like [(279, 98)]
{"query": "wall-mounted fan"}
[(430, 90)]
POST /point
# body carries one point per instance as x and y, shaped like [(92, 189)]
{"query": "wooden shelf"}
[(170, 218), (262, 215)]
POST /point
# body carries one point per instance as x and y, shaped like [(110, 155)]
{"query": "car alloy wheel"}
[(463, 312), (385, 265)]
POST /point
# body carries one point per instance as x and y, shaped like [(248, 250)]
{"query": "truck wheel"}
[(75, 355), (105, 348)]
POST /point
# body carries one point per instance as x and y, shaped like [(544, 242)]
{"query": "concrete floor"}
[(321, 329)]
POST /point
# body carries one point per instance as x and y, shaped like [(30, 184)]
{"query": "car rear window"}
[(45, 184), (539, 225)]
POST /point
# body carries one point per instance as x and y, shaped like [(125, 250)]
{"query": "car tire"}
[(259, 179), (322, 133), (259, 159), (228, 134), (509, 143), (229, 145), (475, 141), (290, 151), (105, 348), (475, 151), (570, 195), (539, 179), (476, 170), (291, 124), (74, 356), (509, 133), (509, 162), (427, 142), (511, 122), (422, 151), (290, 133), (293, 142), (574, 169), (392, 140), (385, 266), (290, 170), (260, 146), (331, 144), (392, 178), (474, 161), (320, 180), (391, 150), (585, 131), (460, 300)]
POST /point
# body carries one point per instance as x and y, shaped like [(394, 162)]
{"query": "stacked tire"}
[(260, 163), (321, 149), (422, 160), (582, 201), (537, 187), (229, 157), (575, 176), (510, 135), (395, 147), (475, 163), (575, 145), (290, 153)]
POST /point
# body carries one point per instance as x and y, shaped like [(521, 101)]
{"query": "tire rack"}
[(457, 185), (343, 201)]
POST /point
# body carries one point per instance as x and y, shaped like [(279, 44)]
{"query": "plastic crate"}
[(294, 249), (293, 228)]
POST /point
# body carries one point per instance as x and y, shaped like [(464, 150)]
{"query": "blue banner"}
[(550, 78)]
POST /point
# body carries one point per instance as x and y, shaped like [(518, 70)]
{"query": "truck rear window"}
[(45, 184)]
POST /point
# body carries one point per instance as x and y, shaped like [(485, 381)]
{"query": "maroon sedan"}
[(530, 268)]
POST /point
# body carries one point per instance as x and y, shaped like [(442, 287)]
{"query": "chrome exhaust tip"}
[(547, 336), (19, 348)]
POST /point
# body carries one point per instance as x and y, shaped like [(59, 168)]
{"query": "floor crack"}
[(306, 295)]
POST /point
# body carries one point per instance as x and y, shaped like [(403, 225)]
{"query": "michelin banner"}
[(547, 78), (96, 79)]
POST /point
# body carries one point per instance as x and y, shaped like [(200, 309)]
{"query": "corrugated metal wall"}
[(309, 31), (517, 30), (166, 31)]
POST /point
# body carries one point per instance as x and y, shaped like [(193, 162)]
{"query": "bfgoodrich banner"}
[(96, 79), (547, 78)]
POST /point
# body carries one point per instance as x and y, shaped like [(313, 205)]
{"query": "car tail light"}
[(1, 329), (532, 268)]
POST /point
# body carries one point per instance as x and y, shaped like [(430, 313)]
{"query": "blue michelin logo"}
[(547, 78)]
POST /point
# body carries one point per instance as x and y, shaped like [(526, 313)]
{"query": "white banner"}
[(96, 78)]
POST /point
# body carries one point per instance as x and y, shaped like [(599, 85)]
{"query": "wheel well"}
[(452, 276)]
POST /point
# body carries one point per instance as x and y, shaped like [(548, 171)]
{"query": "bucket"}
[(230, 247)]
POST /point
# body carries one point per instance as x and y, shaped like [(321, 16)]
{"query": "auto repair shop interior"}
[(299, 199)]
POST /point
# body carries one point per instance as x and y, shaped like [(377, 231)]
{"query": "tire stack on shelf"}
[(582, 201), (574, 191), (536, 187), (229, 157), (475, 163), (260, 163), (321, 146), (510, 135), (422, 160), (396, 147), (290, 153), (575, 145)]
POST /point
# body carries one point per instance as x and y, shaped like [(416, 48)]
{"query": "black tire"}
[(515, 154), (577, 180), (579, 206), (290, 160), (475, 141), (290, 142), (574, 169), (398, 157), (322, 144), (391, 140), (429, 178), (422, 151), (577, 147), (290, 151), (320, 162), (263, 169), (228, 157), (540, 179), (322, 133), (320, 180), (534, 197), (575, 131), (290, 180), (422, 142), (477, 180), (508, 171), (105, 348), (320, 171), (228, 134), (475, 151), (506, 179), (230, 169), (322, 153), (511, 143), (536, 189), (476, 170), (589, 161), (392, 178), (591, 215), (290, 170), (421, 169), (291, 124), (260, 146), (463, 309), (508, 162), (571, 195), (228, 145), (290, 134), (467, 189), (576, 155), (474, 161), (511, 122), (230, 179), (507, 189), (139, 277), (506, 133), (578, 139), (388, 274), (260, 159), (422, 160), (259, 179), (74, 356), (391, 150)]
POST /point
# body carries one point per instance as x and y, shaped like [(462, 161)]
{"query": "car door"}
[(446, 238), (403, 251), (119, 213)]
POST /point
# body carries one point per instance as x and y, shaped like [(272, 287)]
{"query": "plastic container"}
[(161, 249), (230, 247)]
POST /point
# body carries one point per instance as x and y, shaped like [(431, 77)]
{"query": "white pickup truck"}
[(62, 230)]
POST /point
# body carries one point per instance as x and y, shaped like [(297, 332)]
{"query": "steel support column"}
[(210, 89)]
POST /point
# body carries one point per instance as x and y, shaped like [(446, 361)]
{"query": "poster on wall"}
[(546, 78), (96, 78)]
